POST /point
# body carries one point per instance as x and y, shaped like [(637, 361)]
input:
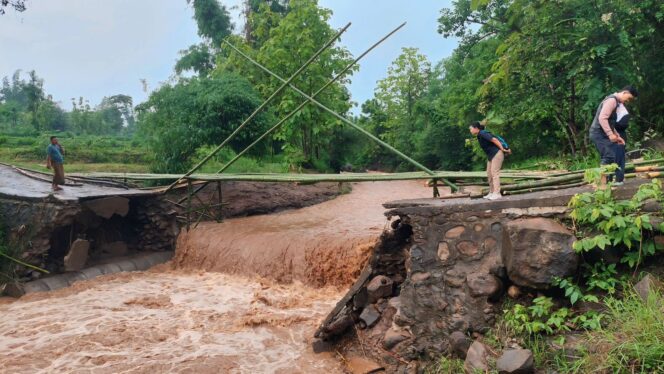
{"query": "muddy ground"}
[(243, 199)]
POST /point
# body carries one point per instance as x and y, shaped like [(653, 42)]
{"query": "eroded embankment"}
[(325, 244), (194, 319)]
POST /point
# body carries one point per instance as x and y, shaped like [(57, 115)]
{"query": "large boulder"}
[(78, 255), (460, 343), (515, 361), (647, 286), (537, 249), (476, 358), (379, 287)]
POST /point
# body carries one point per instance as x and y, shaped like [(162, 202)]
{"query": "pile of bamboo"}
[(562, 180)]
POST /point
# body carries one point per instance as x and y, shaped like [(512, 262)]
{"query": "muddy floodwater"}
[(242, 296)]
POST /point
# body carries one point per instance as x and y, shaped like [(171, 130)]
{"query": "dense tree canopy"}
[(178, 119), (25, 104)]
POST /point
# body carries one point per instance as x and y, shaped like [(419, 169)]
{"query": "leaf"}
[(574, 298)]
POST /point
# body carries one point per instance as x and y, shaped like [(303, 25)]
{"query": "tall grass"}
[(633, 339)]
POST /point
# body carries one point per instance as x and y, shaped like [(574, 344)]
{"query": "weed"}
[(632, 340), (446, 365), (603, 221)]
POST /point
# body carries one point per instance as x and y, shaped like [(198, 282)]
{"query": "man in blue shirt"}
[(55, 159)]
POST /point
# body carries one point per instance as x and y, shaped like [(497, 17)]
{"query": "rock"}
[(419, 277), (393, 337), (320, 346), (78, 255), (513, 292), (646, 286), (380, 286), (454, 232), (476, 358), (413, 367), (108, 206), (460, 343), (360, 365), (484, 285), (537, 249), (369, 316), (515, 361), (443, 251), (114, 248), (467, 248)]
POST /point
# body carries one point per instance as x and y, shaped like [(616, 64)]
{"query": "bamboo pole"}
[(543, 183), (337, 115), (545, 188), (263, 105)]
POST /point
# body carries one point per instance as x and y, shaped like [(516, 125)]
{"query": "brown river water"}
[(242, 296)]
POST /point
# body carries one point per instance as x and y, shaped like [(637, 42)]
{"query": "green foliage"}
[(445, 365), (602, 222), (573, 291), (632, 339), (306, 136), (554, 62), (24, 106), (212, 19), (178, 119), (539, 318)]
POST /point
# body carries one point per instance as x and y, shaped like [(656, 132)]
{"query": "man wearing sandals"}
[(55, 159)]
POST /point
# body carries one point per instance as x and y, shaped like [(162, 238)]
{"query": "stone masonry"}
[(458, 261)]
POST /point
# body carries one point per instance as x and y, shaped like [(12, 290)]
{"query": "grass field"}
[(88, 153), (82, 153)]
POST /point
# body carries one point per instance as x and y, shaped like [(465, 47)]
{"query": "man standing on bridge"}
[(55, 158)]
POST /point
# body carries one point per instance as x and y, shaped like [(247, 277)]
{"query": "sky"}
[(97, 48)]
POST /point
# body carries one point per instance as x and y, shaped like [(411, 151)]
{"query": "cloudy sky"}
[(97, 48)]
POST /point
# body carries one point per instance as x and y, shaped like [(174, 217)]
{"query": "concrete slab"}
[(554, 198), (14, 184)]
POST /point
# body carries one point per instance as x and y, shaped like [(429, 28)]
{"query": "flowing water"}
[(242, 296)]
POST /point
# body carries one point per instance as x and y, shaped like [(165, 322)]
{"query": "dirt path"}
[(189, 319)]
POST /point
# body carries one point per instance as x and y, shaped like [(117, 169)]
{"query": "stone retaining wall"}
[(69, 235), (458, 261)]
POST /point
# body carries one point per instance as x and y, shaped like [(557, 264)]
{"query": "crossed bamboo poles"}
[(308, 99)]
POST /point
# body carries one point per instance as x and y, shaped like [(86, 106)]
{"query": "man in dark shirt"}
[(55, 159)]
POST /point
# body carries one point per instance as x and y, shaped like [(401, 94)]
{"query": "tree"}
[(296, 37), (256, 29), (116, 113), (406, 82), (17, 5), (555, 61), (214, 24), (50, 116), (178, 119)]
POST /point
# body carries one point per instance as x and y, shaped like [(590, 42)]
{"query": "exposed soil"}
[(251, 198)]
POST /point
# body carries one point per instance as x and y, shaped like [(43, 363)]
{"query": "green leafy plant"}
[(602, 221), (538, 318), (594, 175), (573, 291)]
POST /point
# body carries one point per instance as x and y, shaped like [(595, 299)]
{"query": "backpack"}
[(500, 139)]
